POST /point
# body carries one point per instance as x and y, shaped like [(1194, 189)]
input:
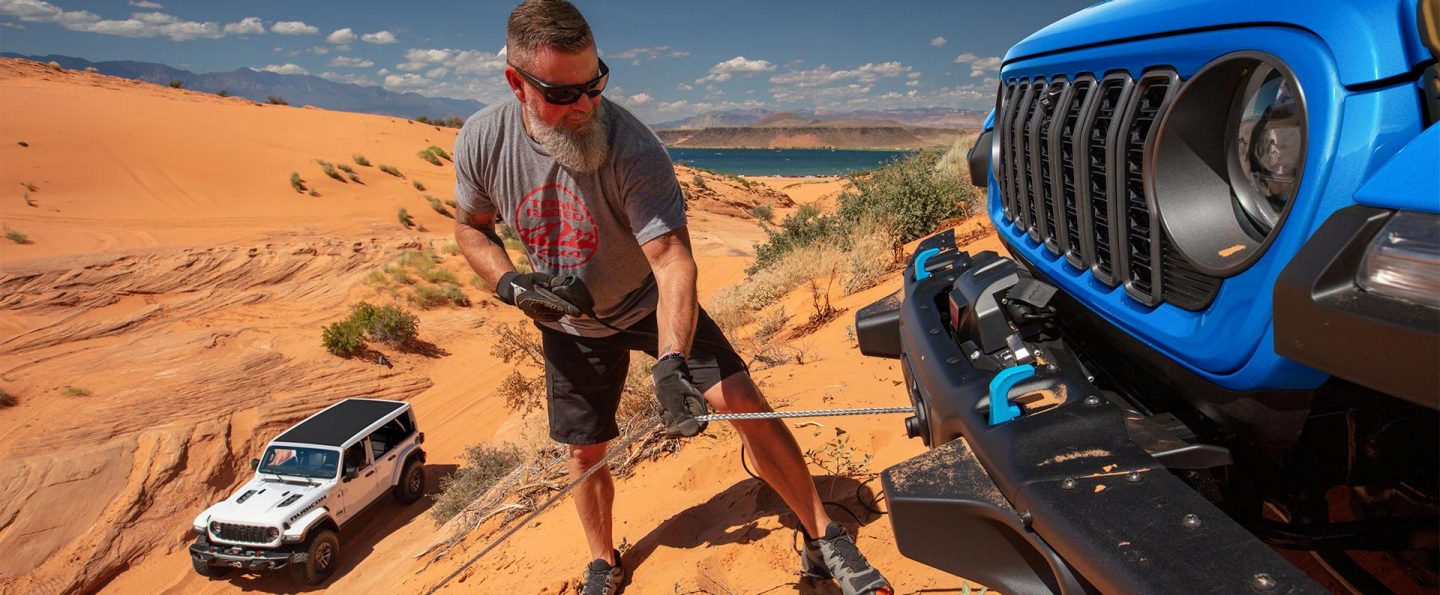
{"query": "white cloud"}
[(319, 50), (723, 71), (246, 26), (8, 25), (684, 87), (140, 24), (458, 61), (639, 99), (979, 66), (637, 55), (341, 36), (436, 73), (348, 62), (912, 83), (379, 37), (822, 76), (913, 75), (937, 42), (406, 82), (354, 79), (146, 4), (294, 28), (287, 68)]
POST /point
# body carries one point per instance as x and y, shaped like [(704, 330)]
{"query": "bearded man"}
[(592, 194)]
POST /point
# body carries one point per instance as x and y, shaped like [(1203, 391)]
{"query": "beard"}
[(581, 149)]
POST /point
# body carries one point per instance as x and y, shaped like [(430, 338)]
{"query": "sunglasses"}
[(568, 94)]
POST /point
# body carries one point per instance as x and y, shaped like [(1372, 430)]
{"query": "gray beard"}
[(580, 150)]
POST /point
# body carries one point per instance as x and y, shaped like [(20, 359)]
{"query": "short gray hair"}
[(555, 24)]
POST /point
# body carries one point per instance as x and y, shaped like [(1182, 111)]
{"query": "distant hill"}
[(297, 89), (927, 117), (812, 136)]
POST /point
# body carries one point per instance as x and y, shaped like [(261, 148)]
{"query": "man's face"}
[(557, 68)]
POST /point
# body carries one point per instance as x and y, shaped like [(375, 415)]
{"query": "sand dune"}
[(176, 277)]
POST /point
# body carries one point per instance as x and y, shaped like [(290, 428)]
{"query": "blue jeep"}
[(1213, 355)]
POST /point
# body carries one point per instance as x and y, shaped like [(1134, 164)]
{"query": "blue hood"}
[(1371, 39)]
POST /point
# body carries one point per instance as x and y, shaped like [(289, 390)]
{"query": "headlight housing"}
[(214, 528), (1403, 261), (271, 534), (1228, 160)]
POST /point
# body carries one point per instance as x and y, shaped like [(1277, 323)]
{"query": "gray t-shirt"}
[(590, 225)]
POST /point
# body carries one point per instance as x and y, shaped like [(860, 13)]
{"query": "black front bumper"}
[(247, 558), (1061, 499)]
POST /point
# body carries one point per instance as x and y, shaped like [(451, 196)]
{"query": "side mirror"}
[(254, 464), (420, 439)]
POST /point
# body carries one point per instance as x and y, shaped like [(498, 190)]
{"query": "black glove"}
[(680, 401), (545, 297)]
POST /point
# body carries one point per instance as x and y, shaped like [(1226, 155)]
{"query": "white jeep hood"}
[(272, 503)]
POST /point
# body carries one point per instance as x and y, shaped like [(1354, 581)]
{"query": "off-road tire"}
[(412, 483), (322, 555), (208, 571)]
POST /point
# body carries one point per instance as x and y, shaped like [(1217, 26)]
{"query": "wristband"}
[(671, 355)]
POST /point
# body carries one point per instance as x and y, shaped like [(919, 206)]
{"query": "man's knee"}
[(736, 393), (587, 454)]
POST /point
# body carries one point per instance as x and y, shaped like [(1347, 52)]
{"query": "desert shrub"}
[(771, 323), (450, 248), (23, 143), (427, 296), (344, 338), (437, 275), (451, 203), (7, 399), (223, 93), (345, 167), (763, 213), (75, 391), (521, 394), (391, 170), (276, 100), (436, 152), (911, 196), (483, 466), (329, 170), (29, 202), (297, 183), (314, 192), (699, 182), (399, 275), (437, 207), (455, 294), (377, 278), (176, 84), (404, 217), (354, 178), (428, 156), (17, 237), (388, 324), (806, 226), (361, 161), (418, 185), (479, 282), (27, 185), (55, 65), (417, 259)]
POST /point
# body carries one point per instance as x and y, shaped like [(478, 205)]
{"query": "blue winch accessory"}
[(920, 273), (1001, 409)]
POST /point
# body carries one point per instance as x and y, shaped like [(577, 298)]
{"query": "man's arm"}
[(481, 245), (674, 266)]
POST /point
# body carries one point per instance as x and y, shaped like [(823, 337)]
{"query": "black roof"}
[(333, 426)]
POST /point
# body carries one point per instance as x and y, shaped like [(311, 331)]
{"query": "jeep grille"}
[(1071, 174), (242, 533)]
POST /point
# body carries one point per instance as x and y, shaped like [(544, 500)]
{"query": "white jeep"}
[(312, 479)]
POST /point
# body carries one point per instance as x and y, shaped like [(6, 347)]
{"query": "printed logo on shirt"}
[(556, 227)]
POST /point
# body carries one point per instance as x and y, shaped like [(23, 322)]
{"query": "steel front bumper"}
[(235, 556), (1062, 498)]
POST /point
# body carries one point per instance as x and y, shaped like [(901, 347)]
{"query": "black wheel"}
[(412, 483), (321, 553), (208, 571)]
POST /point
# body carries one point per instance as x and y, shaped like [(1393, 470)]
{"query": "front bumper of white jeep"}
[(239, 556)]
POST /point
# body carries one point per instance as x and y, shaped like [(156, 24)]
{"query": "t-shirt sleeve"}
[(654, 202), (469, 189)]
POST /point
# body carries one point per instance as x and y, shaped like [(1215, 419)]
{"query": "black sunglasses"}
[(567, 94)]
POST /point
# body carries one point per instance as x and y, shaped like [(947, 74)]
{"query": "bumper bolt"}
[(1133, 477), (1263, 582), (1067, 484), (1026, 518), (1191, 521), (1092, 401), (952, 361)]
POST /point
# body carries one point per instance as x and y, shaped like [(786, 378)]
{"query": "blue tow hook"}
[(1001, 409), (920, 273)]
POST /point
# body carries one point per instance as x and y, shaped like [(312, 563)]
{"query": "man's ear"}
[(517, 84)]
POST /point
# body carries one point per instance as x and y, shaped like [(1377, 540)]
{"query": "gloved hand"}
[(545, 297), (680, 401)]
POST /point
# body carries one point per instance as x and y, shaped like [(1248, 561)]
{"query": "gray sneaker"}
[(603, 579), (835, 556)]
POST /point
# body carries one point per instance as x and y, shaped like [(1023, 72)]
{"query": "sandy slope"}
[(178, 278)]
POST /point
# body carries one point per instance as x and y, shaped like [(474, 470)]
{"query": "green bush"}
[(314, 192), (297, 183), (428, 296), (451, 248), (360, 160), (437, 207), (176, 84), (699, 182), (418, 185), (763, 212), (29, 186), (451, 202), (388, 324), (344, 338), (17, 237), (276, 100), (431, 157), (329, 170), (345, 167), (355, 178), (392, 171), (912, 196), (804, 227), (7, 399), (405, 219), (75, 391), (438, 275), (484, 465), (223, 93), (456, 295)]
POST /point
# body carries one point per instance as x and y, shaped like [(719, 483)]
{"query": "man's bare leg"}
[(594, 499), (773, 448)]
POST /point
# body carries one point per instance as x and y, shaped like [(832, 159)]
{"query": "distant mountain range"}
[(927, 117), (296, 89)]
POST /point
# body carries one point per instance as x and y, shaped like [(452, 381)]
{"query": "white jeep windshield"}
[(299, 461)]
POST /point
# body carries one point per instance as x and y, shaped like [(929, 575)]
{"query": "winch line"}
[(619, 448)]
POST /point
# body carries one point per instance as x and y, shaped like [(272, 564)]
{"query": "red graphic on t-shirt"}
[(556, 227)]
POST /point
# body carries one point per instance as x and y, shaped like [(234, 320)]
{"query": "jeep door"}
[(356, 492), (384, 446)]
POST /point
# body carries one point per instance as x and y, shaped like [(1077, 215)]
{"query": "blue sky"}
[(668, 59)]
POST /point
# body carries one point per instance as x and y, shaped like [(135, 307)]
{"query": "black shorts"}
[(584, 376)]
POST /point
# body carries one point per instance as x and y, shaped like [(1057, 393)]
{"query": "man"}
[(592, 194)]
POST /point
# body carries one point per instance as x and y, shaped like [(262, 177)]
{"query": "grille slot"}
[(242, 533), (1072, 169)]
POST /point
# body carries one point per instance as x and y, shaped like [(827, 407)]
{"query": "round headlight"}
[(1228, 159), (272, 534), (214, 527)]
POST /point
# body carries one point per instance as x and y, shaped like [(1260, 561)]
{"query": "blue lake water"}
[(785, 162)]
